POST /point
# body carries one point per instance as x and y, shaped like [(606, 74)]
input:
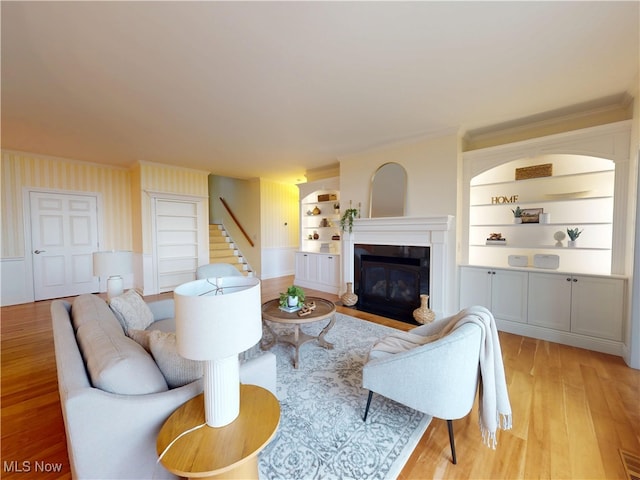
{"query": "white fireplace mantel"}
[(436, 232)]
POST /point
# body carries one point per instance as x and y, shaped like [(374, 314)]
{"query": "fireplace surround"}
[(435, 232)]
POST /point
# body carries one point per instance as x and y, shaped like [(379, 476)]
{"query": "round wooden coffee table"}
[(272, 313)]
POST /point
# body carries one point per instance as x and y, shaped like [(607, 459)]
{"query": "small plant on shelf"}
[(573, 233), (293, 297), (517, 215)]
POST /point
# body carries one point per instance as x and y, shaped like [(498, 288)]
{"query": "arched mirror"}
[(388, 191)]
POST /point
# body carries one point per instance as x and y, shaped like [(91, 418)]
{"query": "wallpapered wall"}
[(20, 170), (279, 205), (166, 179), (125, 202)]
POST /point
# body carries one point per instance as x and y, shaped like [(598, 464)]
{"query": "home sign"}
[(503, 199)]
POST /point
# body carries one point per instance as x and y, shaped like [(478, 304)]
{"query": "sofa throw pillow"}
[(132, 311), (141, 337), (176, 369)]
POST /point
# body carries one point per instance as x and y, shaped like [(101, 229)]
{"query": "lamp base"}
[(221, 391), (115, 286)]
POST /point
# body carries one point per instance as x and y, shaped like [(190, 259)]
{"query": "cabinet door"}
[(475, 287), (509, 292), (302, 266), (313, 267), (550, 300), (329, 269), (597, 306)]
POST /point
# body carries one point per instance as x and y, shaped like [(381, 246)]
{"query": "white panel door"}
[(64, 235)]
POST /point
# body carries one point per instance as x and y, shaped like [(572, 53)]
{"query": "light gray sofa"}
[(113, 395)]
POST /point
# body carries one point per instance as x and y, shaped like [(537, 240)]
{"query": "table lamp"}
[(113, 264), (216, 319)]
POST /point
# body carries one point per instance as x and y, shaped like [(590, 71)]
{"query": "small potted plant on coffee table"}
[(293, 297)]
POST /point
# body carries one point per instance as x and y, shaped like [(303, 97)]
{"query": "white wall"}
[(432, 170)]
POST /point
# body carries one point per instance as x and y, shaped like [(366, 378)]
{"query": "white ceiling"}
[(272, 89)]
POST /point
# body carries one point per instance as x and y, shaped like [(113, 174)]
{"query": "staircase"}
[(223, 250)]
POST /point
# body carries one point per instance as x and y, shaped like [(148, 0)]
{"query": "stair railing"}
[(233, 217)]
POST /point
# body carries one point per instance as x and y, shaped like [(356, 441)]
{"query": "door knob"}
[(38, 252)]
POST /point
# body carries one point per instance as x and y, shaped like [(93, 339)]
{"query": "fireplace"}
[(389, 279), (435, 233)]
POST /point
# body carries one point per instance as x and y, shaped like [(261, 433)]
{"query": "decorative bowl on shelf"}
[(518, 260), (546, 261)]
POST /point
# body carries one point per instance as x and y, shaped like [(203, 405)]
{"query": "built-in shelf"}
[(310, 222), (533, 203), (538, 247), (574, 199), (317, 263)]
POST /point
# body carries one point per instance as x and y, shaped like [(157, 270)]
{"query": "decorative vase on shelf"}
[(349, 298), (423, 314), (571, 243)]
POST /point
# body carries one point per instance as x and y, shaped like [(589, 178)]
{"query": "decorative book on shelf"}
[(496, 239)]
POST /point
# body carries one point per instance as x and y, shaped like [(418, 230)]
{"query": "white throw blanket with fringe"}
[(494, 406)]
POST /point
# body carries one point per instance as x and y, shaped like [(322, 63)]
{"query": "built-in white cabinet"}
[(317, 264), (320, 271), (581, 310), (504, 292), (587, 305)]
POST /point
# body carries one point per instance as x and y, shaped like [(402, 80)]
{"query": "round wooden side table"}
[(226, 452)]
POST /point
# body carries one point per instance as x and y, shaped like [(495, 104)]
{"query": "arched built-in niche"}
[(577, 194), (605, 147), (388, 191)]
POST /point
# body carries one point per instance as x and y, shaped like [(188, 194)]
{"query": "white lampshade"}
[(113, 264), (216, 319)]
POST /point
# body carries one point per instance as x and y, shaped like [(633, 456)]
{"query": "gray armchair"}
[(439, 378)]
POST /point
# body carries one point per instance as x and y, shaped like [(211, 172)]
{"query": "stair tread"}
[(223, 250)]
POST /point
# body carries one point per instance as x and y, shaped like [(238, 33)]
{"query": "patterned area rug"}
[(321, 433)]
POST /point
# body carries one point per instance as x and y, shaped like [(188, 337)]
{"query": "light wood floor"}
[(573, 409)]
